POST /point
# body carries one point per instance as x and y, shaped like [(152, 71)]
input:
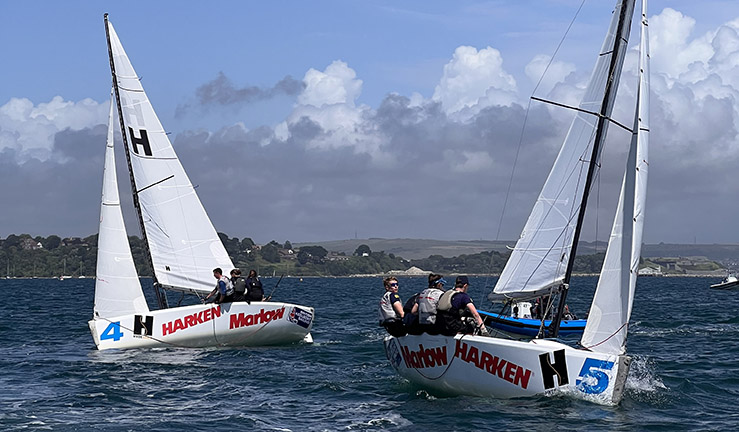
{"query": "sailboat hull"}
[(208, 325), (492, 367)]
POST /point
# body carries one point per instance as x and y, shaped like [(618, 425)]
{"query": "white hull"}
[(731, 283), (208, 325), (492, 367)]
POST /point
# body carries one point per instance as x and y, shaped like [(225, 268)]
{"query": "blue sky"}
[(362, 57)]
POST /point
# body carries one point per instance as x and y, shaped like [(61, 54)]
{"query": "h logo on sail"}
[(143, 326), (143, 141), (549, 370)]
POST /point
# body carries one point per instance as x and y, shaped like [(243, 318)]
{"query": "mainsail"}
[(182, 241), (611, 309), (117, 288), (540, 259)]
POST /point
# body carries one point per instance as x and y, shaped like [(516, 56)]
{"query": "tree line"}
[(53, 256)]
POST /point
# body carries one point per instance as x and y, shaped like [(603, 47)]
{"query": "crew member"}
[(254, 291), (223, 290), (239, 284), (456, 304), (427, 302), (569, 315), (391, 309)]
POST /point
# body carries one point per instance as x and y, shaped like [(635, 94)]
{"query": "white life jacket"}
[(229, 285), (386, 310), (427, 301)]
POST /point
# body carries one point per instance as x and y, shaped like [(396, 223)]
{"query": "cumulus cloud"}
[(546, 73), (328, 103), (475, 78), (338, 84), (29, 130), (416, 166)]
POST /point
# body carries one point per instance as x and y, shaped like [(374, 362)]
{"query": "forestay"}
[(540, 258), (607, 323), (117, 288), (183, 243)]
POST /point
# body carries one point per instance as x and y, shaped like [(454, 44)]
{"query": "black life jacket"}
[(408, 306), (448, 317), (254, 289), (239, 285)]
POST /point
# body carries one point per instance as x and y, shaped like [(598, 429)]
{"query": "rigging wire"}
[(526, 116), (523, 129)]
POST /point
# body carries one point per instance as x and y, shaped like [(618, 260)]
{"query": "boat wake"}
[(643, 382)]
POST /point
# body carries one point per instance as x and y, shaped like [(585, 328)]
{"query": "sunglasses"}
[(394, 284)]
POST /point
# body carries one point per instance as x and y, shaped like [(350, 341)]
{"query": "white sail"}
[(611, 309), (117, 288), (540, 258), (184, 245)]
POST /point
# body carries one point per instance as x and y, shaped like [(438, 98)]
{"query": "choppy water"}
[(685, 375)]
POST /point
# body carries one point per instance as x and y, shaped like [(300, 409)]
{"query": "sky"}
[(310, 121)]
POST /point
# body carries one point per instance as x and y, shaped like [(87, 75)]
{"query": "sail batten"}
[(552, 224), (183, 244)]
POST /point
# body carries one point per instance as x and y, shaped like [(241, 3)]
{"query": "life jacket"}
[(229, 285), (445, 302), (386, 311), (448, 317), (239, 285), (428, 301), (254, 289)]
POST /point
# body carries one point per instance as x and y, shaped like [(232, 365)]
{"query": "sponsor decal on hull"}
[(550, 369), (494, 365), (190, 320), (263, 317), (424, 357), (143, 325), (300, 317), (393, 353)]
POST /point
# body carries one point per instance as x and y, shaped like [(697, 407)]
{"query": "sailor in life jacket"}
[(224, 289), (254, 290), (427, 302), (453, 306), (239, 285), (391, 309)]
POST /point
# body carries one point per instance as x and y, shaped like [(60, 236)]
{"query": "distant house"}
[(650, 271), (31, 244), (333, 256)]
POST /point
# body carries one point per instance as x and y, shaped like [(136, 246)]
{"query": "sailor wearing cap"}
[(454, 305)]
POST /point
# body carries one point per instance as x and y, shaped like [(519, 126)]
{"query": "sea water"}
[(684, 339)]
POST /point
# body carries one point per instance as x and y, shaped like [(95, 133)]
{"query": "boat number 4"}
[(113, 331), (593, 378)]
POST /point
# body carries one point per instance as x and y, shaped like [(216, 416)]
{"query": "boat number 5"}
[(593, 379), (113, 331)]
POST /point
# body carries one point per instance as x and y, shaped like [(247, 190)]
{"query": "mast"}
[(158, 291), (600, 136)]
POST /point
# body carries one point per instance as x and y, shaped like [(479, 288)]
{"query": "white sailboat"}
[(541, 263), (182, 243), (64, 274)]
